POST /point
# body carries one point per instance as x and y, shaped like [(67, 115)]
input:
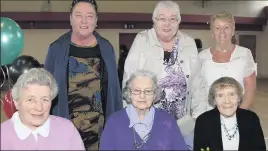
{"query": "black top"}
[(208, 131), (166, 56), (85, 52)]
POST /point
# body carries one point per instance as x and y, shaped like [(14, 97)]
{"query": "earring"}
[(96, 25), (239, 102)]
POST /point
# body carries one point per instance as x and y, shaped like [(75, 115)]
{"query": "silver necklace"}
[(228, 135), (143, 140), (224, 50)]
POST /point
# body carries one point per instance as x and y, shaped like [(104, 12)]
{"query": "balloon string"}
[(9, 87), (4, 77), (8, 77), (2, 102), (11, 101)]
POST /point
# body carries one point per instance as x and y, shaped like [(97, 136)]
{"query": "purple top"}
[(165, 133), (62, 136)]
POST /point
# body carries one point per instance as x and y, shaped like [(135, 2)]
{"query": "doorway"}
[(126, 39), (249, 41), (125, 42)]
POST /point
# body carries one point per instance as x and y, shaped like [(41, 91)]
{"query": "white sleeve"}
[(198, 91), (250, 65), (198, 98)]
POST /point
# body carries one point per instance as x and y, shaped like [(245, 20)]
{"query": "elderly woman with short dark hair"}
[(84, 66), (32, 127), (140, 125), (228, 127)]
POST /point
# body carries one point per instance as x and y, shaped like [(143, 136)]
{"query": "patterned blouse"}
[(173, 85)]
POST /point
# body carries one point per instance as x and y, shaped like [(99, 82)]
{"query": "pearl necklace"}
[(224, 50), (221, 50)]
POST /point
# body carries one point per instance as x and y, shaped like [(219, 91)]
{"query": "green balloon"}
[(12, 40)]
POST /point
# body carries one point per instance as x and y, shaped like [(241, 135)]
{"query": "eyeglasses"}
[(172, 20), (138, 92)]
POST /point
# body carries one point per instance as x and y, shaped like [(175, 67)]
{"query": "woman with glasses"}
[(140, 125), (172, 56)]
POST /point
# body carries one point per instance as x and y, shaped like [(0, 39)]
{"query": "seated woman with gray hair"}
[(228, 127), (172, 55), (140, 125), (32, 127)]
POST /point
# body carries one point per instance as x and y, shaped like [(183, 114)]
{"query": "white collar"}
[(134, 118), (229, 121), (23, 131)]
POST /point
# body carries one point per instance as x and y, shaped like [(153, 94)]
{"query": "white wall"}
[(262, 53)]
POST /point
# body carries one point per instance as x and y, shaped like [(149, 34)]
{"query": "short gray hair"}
[(167, 4), (38, 76), (221, 83), (126, 90)]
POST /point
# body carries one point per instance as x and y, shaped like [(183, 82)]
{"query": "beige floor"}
[(260, 105)]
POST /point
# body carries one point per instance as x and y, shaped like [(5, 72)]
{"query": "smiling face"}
[(227, 100), (142, 100), (83, 19), (222, 31), (166, 24), (34, 105)]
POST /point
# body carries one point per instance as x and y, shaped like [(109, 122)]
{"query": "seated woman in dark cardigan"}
[(140, 126), (228, 127)]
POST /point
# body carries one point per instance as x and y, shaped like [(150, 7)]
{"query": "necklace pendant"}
[(229, 136)]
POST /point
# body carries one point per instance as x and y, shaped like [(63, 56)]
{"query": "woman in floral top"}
[(172, 56)]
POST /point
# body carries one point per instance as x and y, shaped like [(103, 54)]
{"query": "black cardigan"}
[(208, 131)]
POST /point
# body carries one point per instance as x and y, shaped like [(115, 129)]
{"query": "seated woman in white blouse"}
[(228, 127), (32, 127), (227, 59)]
